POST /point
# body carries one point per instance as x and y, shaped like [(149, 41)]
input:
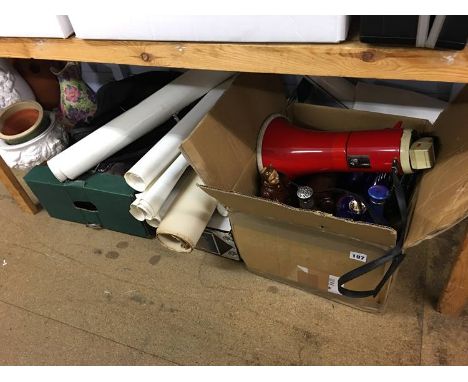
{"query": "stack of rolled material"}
[(147, 205), (187, 217), (163, 153), (157, 175), (134, 123), (156, 220)]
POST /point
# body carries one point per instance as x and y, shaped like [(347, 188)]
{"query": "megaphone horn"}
[(296, 151)]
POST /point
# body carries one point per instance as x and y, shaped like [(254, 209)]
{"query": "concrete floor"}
[(73, 295)]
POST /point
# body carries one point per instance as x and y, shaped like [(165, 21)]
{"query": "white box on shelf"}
[(212, 28), (32, 25)]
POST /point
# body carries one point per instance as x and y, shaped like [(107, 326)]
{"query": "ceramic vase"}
[(77, 100), (13, 87)]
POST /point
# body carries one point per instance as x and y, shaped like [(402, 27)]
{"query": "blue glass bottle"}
[(378, 195), (354, 181)]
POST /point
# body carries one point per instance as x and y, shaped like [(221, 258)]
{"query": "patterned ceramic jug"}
[(77, 100)]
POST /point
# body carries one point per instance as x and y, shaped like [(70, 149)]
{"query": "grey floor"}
[(72, 295)]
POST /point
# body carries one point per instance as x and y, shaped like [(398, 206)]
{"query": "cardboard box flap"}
[(256, 206), (451, 128), (228, 125), (442, 199)]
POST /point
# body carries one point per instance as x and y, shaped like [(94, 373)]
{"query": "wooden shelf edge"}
[(349, 59)]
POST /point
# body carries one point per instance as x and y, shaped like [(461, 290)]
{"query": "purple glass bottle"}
[(349, 207)]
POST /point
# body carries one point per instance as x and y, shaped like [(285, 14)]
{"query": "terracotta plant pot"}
[(21, 122)]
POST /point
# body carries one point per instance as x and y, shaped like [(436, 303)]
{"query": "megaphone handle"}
[(395, 255)]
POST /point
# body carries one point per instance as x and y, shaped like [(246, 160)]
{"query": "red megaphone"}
[(296, 151)]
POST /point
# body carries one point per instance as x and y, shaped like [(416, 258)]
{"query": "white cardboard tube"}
[(188, 216), (134, 123), (147, 204), (155, 161)]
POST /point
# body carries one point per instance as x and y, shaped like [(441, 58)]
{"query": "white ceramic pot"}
[(13, 87), (38, 150)]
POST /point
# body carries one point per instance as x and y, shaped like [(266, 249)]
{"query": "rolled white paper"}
[(153, 222), (147, 204), (188, 216), (155, 161), (156, 220), (134, 123)]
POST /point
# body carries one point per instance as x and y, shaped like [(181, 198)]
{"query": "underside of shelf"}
[(348, 59)]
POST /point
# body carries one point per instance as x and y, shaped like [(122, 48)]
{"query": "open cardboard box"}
[(310, 249)]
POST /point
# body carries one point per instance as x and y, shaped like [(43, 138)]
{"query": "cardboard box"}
[(212, 28), (217, 238), (97, 200), (310, 249), (33, 25)]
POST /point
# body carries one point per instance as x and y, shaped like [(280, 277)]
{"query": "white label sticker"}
[(333, 284), (358, 256)]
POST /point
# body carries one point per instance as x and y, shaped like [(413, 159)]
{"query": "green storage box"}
[(99, 200)]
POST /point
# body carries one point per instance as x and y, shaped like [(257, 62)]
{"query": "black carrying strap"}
[(394, 255)]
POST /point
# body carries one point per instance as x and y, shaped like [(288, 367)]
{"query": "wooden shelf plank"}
[(349, 59), (455, 295), (16, 190)]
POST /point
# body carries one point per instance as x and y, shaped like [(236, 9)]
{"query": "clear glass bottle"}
[(305, 196)]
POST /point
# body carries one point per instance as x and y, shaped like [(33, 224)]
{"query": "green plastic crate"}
[(94, 199)]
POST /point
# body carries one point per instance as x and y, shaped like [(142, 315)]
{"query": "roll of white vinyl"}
[(134, 123), (155, 161), (147, 204), (153, 222), (188, 216), (156, 220)]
